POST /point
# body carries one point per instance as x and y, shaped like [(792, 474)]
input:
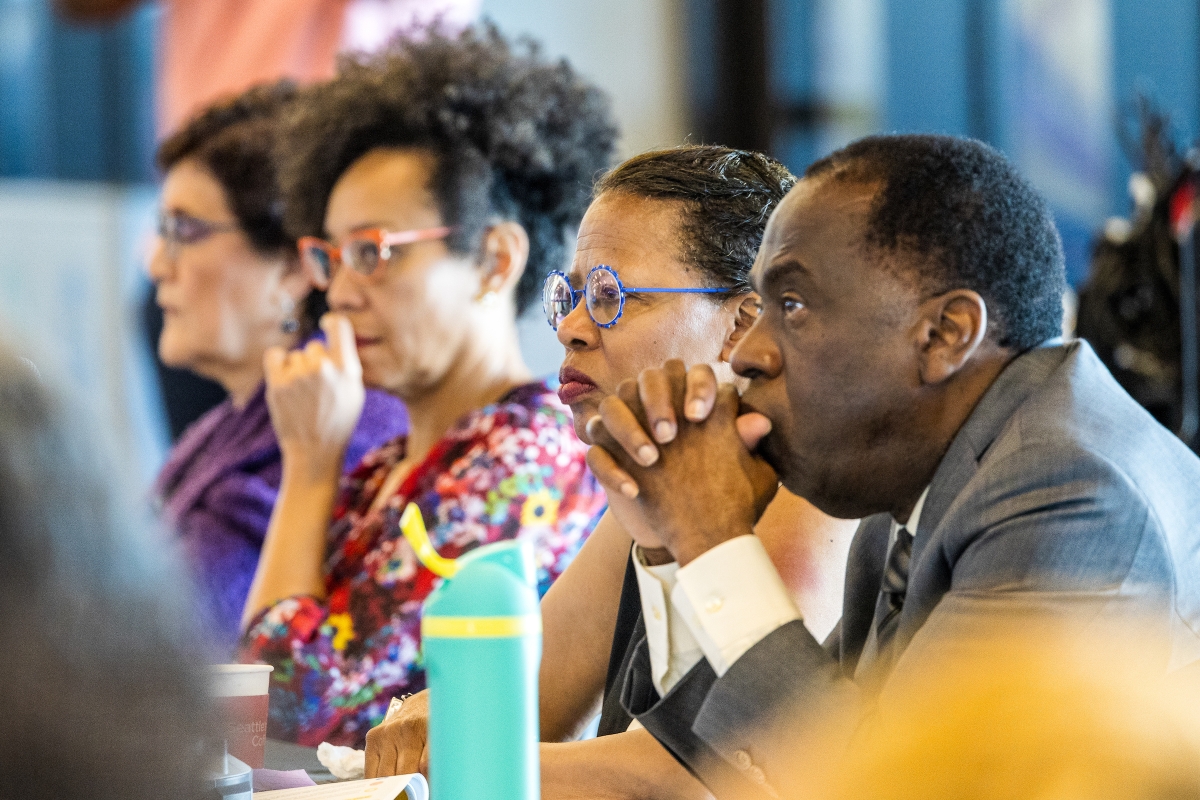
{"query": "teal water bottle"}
[(481, 636)]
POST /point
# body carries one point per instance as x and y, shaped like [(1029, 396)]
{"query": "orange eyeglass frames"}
[(363, 251)]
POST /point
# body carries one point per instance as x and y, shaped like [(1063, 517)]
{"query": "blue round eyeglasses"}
[(603, 295)]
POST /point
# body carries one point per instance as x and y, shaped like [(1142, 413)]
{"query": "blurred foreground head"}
[(99, 698), (1025, 713)]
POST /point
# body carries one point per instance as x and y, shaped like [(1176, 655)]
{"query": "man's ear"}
[(952, 328), (505, 252), (745, 313)]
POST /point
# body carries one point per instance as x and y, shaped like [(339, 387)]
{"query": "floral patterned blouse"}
[(513, 469)]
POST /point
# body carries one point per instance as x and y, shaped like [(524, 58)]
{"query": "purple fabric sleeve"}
[(217, 491), (383, 419)]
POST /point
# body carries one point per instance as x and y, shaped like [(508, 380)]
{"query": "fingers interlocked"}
[(644, 414)]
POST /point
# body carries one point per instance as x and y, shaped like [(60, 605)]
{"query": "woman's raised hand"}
[(315, 396)]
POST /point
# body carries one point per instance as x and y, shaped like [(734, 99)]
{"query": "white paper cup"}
[(241, 694)]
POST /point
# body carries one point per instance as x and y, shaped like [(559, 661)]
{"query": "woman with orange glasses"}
[(442, 180)]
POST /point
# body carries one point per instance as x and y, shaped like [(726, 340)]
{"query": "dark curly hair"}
[(726, 195), (235, 140), (975, 221), (515, 137)]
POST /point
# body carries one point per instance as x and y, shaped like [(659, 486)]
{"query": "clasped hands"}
[(677, 460)]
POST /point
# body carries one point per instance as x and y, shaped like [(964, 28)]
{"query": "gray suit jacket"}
[(1059, 493)]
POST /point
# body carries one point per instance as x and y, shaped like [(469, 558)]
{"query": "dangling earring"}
[(290, 324)]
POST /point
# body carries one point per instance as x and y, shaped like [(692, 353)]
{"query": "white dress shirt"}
[(914, 519), (673, 648), (724, 602)]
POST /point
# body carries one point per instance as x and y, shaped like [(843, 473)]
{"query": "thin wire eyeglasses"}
[(177, 228), (363, 251), (603, 294)]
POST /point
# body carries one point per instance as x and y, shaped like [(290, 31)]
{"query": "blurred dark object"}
[(1138, 308), (94, 11), (752, 68), (186, 396), (78, 102), (103, 696), (738, 112)]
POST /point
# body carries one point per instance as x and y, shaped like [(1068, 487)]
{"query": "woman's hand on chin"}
[(315, 396)]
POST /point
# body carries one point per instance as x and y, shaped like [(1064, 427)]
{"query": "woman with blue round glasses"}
[(603, 294), (660, 272)]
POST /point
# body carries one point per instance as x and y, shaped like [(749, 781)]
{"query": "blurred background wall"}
[(1044, 80)]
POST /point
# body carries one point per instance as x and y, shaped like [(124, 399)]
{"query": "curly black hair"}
[(726, 195), (975, 221), (515, 137), (235, 140)]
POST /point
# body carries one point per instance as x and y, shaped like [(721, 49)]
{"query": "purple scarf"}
[(218, 488)]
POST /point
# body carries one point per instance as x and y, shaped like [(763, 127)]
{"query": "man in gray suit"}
[(904, 369)]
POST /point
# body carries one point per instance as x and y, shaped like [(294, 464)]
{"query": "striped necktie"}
[(895, 584)]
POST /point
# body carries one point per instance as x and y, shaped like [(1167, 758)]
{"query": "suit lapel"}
[(960, 463), (993, 411)]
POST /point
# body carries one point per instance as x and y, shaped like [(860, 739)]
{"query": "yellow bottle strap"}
[(480, 627), (412, 525)]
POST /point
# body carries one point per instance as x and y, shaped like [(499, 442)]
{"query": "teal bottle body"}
[(482, 641)]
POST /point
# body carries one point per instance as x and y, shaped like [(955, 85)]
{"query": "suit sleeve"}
[(1070, 537)]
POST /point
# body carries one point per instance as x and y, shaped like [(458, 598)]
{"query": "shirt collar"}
[(914, 519)]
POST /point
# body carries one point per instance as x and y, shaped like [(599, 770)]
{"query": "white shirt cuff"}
[(673, 649), (654, 583), (732, 598)]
